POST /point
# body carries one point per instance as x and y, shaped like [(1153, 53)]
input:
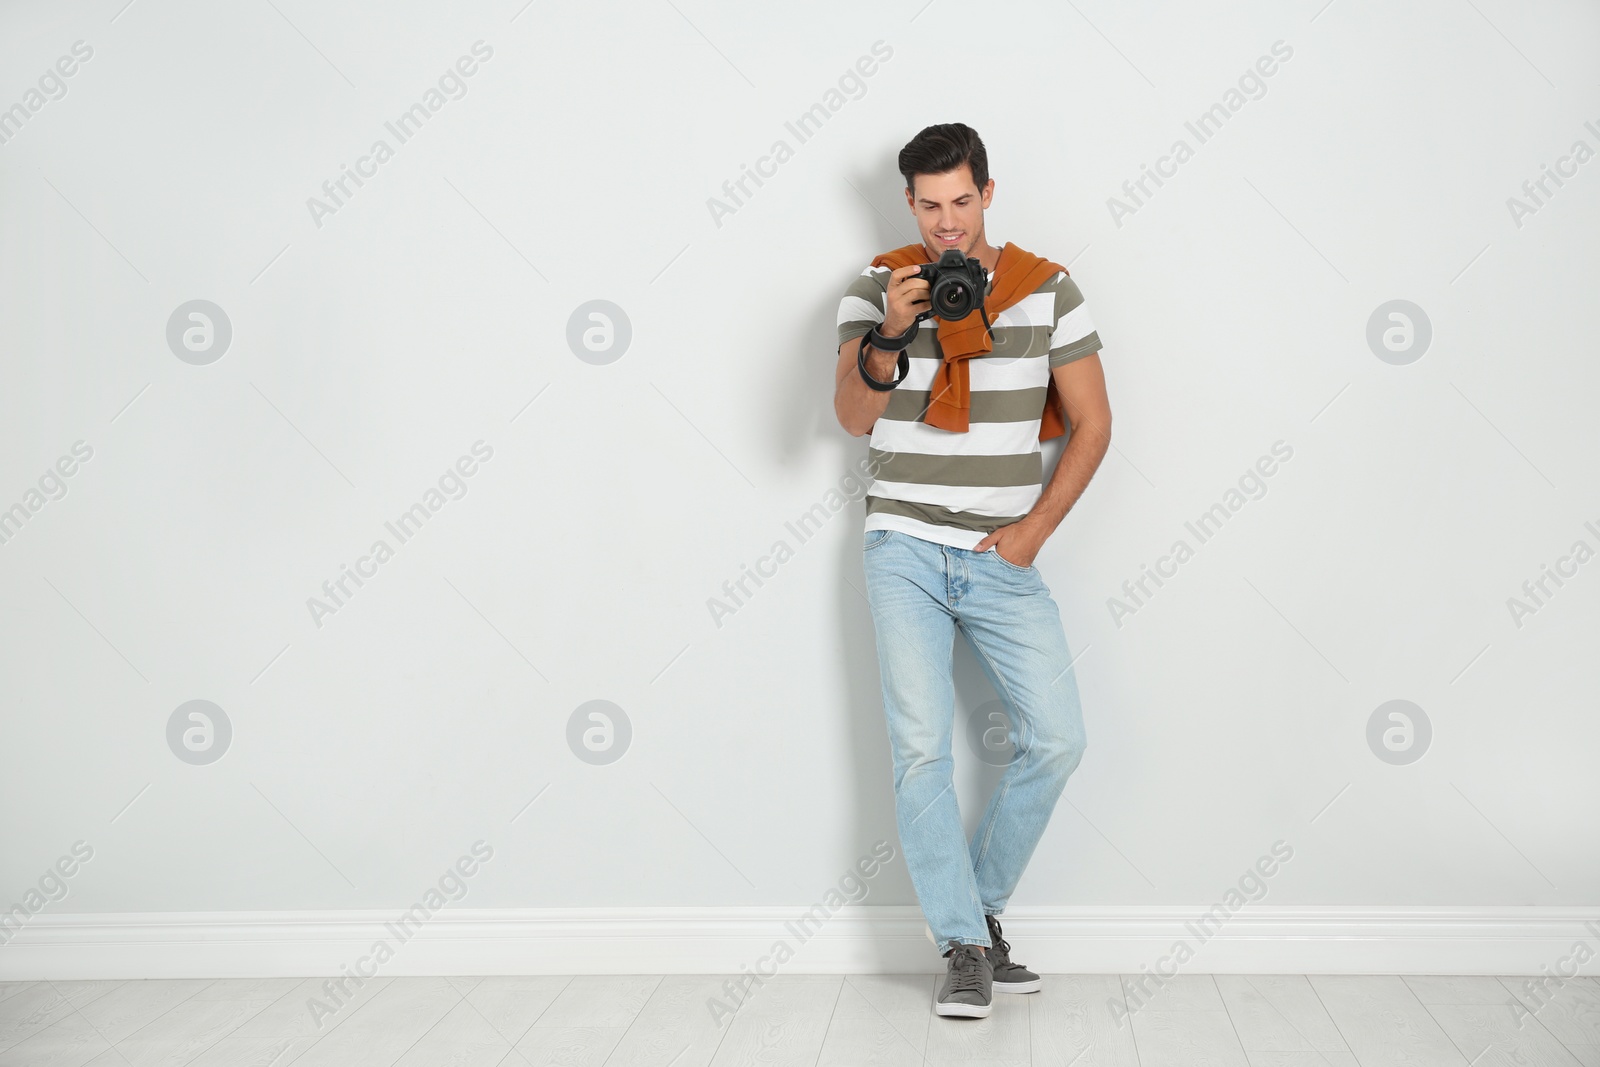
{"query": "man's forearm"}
[(858, 406), (1085, 448)]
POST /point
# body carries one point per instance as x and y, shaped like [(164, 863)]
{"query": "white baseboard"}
[(853, 940)]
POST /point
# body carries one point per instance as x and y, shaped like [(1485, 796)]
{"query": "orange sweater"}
[(1017, 274)]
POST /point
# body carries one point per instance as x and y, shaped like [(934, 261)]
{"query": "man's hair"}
[(941, 148)]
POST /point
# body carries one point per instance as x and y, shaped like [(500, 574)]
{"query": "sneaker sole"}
[(1019, 987), (966, 1011)]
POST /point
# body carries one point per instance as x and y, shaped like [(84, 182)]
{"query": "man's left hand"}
[(1017, 544)]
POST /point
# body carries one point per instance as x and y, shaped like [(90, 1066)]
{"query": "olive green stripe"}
[(938, 516), (975, 471), (1010, 342), (988, 405), (1090, 342), (1068, 295), (869, 289)]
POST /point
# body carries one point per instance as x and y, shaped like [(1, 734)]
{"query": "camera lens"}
[(953, 298)]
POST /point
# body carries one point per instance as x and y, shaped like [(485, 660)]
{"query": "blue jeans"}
[(921, 593)]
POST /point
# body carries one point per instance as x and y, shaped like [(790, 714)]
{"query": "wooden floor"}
[(810, 1020)]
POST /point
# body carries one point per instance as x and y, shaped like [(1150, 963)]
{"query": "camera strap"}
[(861, 365), (884, 343)]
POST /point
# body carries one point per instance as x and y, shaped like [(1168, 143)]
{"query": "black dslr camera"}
[(959, 285)]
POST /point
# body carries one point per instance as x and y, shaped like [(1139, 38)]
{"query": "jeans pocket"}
[(874, 538), (995, 552)]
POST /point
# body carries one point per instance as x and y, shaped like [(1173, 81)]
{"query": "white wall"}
[(431, 311)]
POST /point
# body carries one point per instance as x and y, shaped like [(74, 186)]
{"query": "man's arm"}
[(1085, 408), (1082, 388), (857, 406), (892, 300)]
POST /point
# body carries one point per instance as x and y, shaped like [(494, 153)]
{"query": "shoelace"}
[(1001, 948), (966, 973)]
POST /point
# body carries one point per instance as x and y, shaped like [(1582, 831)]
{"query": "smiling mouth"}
[(952, 239)]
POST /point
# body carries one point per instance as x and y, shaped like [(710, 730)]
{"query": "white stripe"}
[(1075, 325), (979, 499), (981, 438), (858, 309), (1035, 309), (986, 373), (953, 536)]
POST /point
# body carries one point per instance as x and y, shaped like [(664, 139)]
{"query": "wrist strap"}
[(884, 343), (861, 365)]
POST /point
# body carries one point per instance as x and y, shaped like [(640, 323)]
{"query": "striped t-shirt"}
[(954, 488)]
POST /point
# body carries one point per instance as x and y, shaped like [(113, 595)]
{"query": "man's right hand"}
[(907, 298)]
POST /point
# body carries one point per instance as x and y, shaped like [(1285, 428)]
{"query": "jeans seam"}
[(1005, 782)]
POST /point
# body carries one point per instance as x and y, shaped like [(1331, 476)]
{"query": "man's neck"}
[(989, 255)]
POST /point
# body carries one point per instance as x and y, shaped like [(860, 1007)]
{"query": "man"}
[(955, 517)]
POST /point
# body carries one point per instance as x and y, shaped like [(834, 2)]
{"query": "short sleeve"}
[(1073, 335), (862, 307)]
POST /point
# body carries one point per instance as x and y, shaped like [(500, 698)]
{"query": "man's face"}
[(949, 209)]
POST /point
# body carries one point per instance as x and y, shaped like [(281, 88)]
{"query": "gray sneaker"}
[(1009, 977), (968, 983)]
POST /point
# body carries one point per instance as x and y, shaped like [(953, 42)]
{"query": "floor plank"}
[(1184, 992), (43, 1004), (178, 1036), (513, 1004), (678, 1026), (1383, 1023), (385, 1026), (566, 1046), (463, 1038), (285, 1029), (136, 1004), (1457, 989), (879, 1021), (1278, 1013), (1187, 1039), (1570, 1011), (248, 988), (788, 993), (782, 1022), (1081, 1019), (773, 1039), (1495, 1035), (603, 1000)]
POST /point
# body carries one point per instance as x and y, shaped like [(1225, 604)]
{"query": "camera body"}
[(958, 285)]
